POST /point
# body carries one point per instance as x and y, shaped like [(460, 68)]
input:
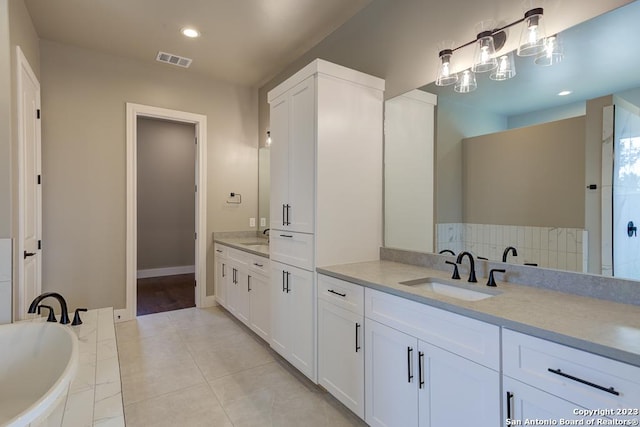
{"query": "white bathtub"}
[(38, 361)]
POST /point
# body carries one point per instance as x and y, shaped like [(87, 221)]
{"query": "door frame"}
[(19, 311), (200, 121)]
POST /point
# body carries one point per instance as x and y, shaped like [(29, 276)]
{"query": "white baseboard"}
[(167, 271), (209, 301)]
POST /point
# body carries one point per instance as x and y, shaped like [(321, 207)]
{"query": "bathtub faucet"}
[(64, 317)]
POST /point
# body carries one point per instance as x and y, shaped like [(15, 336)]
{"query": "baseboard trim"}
[(167, 271), (209, 301)]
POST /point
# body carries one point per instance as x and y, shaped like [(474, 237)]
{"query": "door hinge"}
[(196, 188), (38, 113), (39, 179), (39, 244), (196, 139)]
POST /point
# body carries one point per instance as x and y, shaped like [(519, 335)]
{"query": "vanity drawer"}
[(292, 248), (470, 338), (259, 264), (578, 376), (220, 250), (343, 294), (238, 256)]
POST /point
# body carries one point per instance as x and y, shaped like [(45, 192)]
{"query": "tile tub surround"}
[(94, 397), (549, 247), (602, 327)]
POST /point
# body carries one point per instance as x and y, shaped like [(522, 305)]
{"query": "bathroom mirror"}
[(476, 173), (263, 188)]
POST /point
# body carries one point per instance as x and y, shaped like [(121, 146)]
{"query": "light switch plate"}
[(263, 222), (252, 222)]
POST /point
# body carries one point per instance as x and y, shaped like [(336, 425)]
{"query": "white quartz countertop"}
[(254, 245), (602, 327)]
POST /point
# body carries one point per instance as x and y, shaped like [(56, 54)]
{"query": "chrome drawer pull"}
[(581, 381), (258, 265)]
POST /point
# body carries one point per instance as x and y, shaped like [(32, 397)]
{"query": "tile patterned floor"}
[(201, 367)]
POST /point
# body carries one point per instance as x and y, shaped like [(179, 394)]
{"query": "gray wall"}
[(166, 156), (531, 176), (398, 40), (84, 94)]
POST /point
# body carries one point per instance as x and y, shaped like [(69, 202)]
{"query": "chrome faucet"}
[(64, 316), (472, 265), (506, 252), (267, 232)]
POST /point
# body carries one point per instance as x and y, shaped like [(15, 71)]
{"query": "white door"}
[(279, 162), (341, 355), (302, 306), (243, 306), (233, 291), (30, 193), (302, 157), (523, 402), (455, 391), (280, 302), (390, 377), (260, 305)]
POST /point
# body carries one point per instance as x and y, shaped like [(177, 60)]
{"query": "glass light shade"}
[(268, 138), (466, 83), (445, 76), (506, 68), (532, 35), (484, 55), (552, 53)]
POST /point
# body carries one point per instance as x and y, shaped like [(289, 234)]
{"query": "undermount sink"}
[(459, 291)]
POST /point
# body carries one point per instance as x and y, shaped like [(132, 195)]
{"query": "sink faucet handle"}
[(492, 281), (51, 317), (76, 317), (456, 274)]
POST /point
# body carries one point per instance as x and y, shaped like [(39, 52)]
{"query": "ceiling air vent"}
[(170, 58)]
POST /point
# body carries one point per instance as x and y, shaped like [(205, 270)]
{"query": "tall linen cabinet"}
[(326, 192)]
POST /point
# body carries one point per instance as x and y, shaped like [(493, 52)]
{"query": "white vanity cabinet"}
[(222, 271), (325, 193), (341, 341), (237, 285), (292, 316), (259, 296), (428, 367), (547, 379)]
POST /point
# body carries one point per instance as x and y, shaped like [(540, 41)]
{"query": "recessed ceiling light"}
[(190, 32), (565, 93)]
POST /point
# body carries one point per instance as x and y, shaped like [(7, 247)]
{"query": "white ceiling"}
[(243, 41)]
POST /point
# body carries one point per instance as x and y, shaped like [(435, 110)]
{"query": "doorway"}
[(166, 215), (199, 123)]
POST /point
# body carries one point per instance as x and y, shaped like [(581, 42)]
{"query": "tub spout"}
[(64, 316)]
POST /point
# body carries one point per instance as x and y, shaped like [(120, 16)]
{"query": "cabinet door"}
[(390, 377), (455, 391), (233, 292), (341, 355), (279, 161), (280, 321), (242, 288), (302, 156), (523, 402), (260, 304), (302, 293), (222, 269)]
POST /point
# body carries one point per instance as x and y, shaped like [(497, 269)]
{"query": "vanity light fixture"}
[(489, 41), (268, 138), (190, 32)]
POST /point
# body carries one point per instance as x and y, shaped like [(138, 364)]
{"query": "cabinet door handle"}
[(288, 207), (409, 364), (288, 236), (258, 265), (337, 293), (248, 283), (357, 338), (223, 275), (288, 274), (284, 221), (235, 282), (585, 382), (421, 369), (219, 251), (283, 279), (509, 409), (28, 254)]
